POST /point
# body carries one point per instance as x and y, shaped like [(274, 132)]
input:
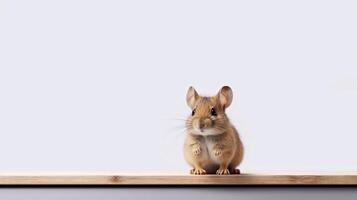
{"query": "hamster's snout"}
[(202, 124)]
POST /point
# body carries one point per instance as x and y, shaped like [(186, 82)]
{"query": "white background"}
[(101, 85)]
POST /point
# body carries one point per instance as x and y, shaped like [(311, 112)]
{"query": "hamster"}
[(212, 143)]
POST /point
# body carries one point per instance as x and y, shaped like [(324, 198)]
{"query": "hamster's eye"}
[(193, 112), (213, 112)]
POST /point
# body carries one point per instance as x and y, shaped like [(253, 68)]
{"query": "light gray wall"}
[(100, 85)]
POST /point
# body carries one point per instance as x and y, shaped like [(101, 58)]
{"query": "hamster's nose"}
[(203, 125)]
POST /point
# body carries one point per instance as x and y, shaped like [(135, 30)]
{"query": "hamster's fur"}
[(212, 143)]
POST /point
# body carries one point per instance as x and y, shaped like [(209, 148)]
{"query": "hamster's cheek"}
[(213, 118), (196, 124), (197, 131)]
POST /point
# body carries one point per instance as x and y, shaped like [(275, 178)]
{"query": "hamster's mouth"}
[(206, 131)]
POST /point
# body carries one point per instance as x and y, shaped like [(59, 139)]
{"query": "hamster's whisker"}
[(177, 128), (178, 119)]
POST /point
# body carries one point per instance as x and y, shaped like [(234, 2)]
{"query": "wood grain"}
[(117, 178)]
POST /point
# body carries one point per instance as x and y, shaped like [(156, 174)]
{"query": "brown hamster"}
[(212, 143)]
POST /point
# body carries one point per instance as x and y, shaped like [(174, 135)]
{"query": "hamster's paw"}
[(196, 151), (222, 171), (234, 171), (197, 171), (217, 153)]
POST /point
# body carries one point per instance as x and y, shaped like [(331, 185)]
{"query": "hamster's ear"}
[(191, 97), (225, 96)]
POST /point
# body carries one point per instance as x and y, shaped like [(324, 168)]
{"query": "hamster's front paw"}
[(217, 152), (197, 171), (196, 151), (222, 171)]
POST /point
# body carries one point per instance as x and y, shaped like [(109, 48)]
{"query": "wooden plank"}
[(117, 178)]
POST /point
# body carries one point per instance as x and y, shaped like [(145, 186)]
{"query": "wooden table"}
[(120, 178)]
